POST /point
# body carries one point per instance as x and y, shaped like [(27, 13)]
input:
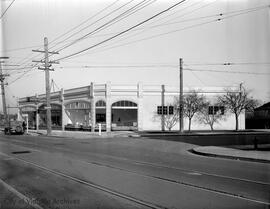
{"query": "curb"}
[(229, 157), (90, 136)]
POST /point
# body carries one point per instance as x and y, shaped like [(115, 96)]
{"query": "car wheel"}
[(18, 129)]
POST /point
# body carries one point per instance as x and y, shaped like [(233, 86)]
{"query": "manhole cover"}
[(21, 152)]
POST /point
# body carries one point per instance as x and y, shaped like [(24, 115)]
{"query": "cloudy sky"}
[(205, 33)]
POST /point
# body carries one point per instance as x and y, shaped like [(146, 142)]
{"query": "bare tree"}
[(171, 120), (210, 118), (237, 102), (172, 117), (193, 103)]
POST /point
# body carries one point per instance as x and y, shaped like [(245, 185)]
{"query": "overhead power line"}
[(122, 66), (168, 66), (219, 19), (93, 23), (125, 31), (223, 71), (27, 59), (7, 9), (116, 19), (228, 63), (85, 21)]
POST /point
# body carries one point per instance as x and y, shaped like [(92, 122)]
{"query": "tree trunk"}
[(212, 127), (236, 122), (189, 124)]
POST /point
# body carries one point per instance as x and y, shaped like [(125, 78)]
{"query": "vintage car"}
[(17, 127)]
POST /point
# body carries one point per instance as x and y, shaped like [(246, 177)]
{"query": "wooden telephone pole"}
[(181, 99), (2, 79), (47, 69)]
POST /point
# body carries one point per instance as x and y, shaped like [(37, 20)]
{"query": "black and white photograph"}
[(128, 104)]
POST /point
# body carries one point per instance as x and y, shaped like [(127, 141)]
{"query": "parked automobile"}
[(17, 127)]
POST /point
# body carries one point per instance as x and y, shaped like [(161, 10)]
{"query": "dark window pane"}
[(165, 110), (210, 110), (159, 110), (222, 109), (171, 110), (216, 109)]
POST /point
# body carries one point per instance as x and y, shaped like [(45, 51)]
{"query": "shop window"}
[(213, 110), (100, 103), (159, 110), (164, 110), (124, 103), (171, 110)]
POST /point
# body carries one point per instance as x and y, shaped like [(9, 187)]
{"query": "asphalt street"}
[(126, 173)]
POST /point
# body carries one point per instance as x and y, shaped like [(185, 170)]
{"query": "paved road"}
[(128, 173)]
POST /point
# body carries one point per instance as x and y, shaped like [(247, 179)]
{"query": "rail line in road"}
[(115, 193), (20, 195), (154, 165), (142, 174), (104, 189)]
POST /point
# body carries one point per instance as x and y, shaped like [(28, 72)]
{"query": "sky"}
[(206, 34)]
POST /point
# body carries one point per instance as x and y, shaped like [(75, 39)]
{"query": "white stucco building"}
[(115, 106)]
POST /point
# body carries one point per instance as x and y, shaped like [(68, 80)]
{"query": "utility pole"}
[(47, 69), (181, 108), (240, 89), (2, 79), (163, 108)]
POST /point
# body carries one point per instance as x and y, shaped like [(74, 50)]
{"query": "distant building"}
[(260, 118), (116, 107)]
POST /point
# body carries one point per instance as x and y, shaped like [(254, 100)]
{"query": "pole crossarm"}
[(41, 51), (44, 68), (43, 61), (47, 69)]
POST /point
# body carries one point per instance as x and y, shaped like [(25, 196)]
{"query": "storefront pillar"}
[(62, 100), (140, 106), (93, 107), (37, 118), (108, 107)]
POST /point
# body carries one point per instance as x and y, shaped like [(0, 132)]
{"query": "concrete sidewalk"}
[(234, 153), (83, 134)]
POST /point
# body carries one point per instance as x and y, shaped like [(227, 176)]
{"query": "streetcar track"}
[(164, 179), (26, 199), (90, 184), (150, 205), (154, 165)]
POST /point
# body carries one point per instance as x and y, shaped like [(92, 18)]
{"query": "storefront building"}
[(115, 107)]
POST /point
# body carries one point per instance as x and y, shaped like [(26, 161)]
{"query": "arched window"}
[(124, 103), (78, 105), (100, 103)]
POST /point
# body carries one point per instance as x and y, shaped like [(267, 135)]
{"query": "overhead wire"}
[(26, 60), (85, 21), (174, 66), (176, 30), (230, 17), (93, 23), (125, 16), (223, 71), (228, 63), (3, 14), (123, 32), (116, 19)]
